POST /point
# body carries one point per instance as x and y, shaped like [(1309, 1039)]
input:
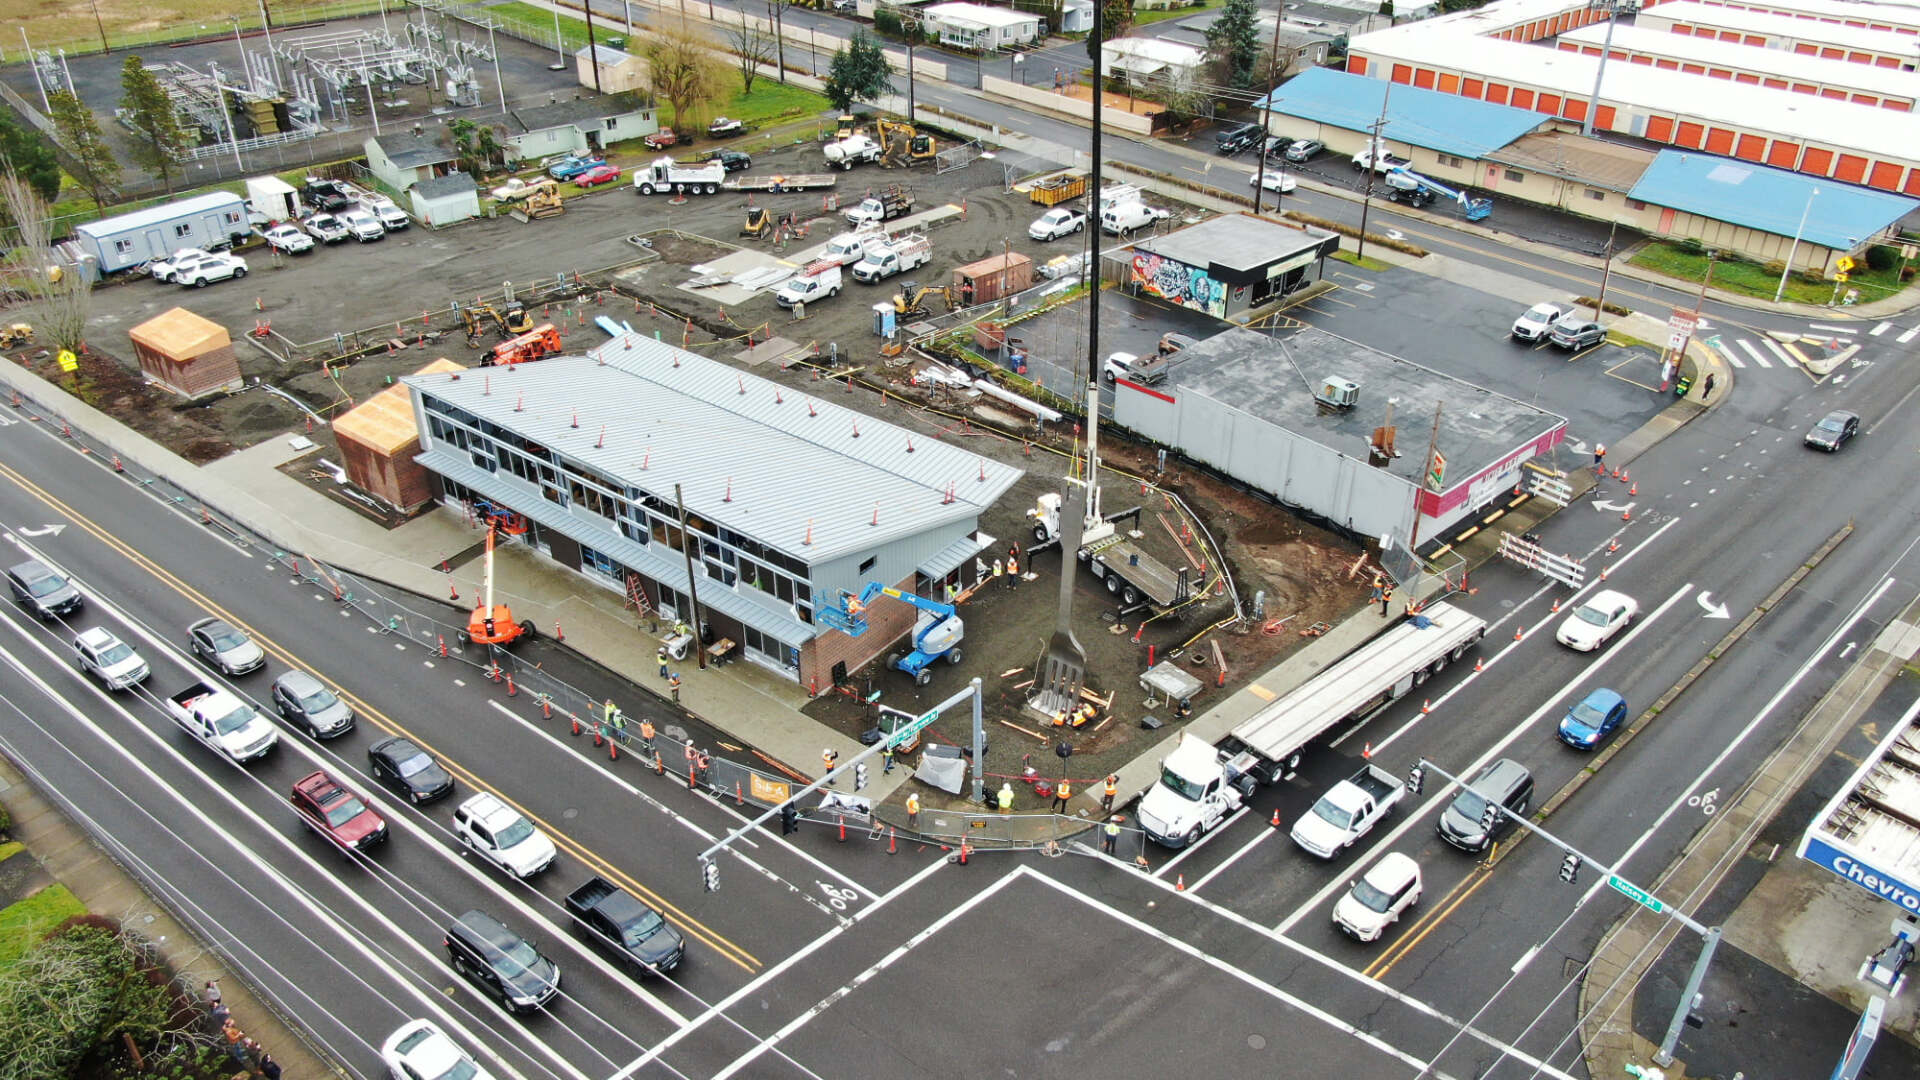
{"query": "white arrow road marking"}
[(1607, 506), (44, 530), (1713, 610)]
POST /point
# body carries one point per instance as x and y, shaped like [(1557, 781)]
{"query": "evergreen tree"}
[(89, 158), (860, 72), (160, 142), (1233, 45), (26, 152)]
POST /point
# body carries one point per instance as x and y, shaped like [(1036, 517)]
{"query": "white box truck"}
[(1200, 785), (273, 200)]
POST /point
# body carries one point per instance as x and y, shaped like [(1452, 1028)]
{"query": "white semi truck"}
[(1201, 785)]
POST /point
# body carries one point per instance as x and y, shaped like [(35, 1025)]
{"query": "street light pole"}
[(1593, 100), (1795, 249), (1266, 120), (1606, 273), (1376, 149)]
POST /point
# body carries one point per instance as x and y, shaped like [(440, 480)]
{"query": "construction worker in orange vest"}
[(646, 735), (913, 810), (1061, 794), (828, 758), (1111, 792)]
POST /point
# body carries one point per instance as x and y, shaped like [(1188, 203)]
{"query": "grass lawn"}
[(572, 30), (1143, 18), (773, 102), (1752, 279), (22, 924), (128, 23), (1367, 263)]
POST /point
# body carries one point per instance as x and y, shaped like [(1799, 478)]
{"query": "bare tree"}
[(752, 46), (685, 71), (57, 298)]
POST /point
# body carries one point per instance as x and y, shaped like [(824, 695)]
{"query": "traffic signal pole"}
[(856, 764), (1569, 872)]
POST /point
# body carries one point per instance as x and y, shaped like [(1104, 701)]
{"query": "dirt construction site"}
[(317, 333)]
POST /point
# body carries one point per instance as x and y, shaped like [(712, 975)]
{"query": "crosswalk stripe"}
[(1785, 357), (1755, 353), (1908, 336), (1881, 329), (1830, 329), (1720, 346)]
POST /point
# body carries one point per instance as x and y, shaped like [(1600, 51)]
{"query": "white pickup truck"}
[(894, 257), (1348, 812), (222, 721)]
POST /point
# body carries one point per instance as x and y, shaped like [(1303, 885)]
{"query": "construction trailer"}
[(216, 220), (273, 198)]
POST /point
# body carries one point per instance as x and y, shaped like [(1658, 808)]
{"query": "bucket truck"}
[(1405, 185)]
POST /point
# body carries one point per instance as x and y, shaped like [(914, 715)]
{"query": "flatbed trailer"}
[(790, 182)]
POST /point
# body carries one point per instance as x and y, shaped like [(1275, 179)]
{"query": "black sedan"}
[(1833, 430), (406, 768), (731, 160)]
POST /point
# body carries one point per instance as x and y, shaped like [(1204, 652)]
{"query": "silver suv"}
[(304, 699)]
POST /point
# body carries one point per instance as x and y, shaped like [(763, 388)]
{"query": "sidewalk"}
[(69, 854)]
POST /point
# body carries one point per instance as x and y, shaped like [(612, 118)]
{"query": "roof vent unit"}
[(1337, 393)]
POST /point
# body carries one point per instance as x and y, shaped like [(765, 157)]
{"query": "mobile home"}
[(206, 221)]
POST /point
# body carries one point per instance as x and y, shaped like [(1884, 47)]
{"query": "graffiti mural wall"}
[(1179, 283)]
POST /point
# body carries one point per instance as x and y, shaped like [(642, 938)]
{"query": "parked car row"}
[(1558, 323), (1243, 137)]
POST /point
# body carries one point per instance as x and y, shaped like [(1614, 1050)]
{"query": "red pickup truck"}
[(334, 812)]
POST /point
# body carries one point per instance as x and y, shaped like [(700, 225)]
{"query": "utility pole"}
[(593, 54), (1376, 148), (1266, 118), (104, 47), (1606, 272), (1433, 443), (776, 9), (910, 114), (1593, 100), (693, 587)]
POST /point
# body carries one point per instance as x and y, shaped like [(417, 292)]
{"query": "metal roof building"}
[(1867, 833), (1748, 196), (1243, 402), (1779, 69), (1445, 123), (1827, 14), (791, 497)]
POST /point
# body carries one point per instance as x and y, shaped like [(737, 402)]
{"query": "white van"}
[(1128, 217), (809, 289)]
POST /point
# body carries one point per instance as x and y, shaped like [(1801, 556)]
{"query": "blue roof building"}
[(1444, 123)]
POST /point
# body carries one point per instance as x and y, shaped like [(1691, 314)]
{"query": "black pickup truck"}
[(625, 927)]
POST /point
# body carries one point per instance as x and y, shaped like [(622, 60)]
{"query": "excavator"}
[(903, 145), (490, 623), (513, 322), (911, 299)]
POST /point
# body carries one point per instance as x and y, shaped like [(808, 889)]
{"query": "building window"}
[(868, 564), (1516, 176), (612, 122), (122, 247), (1636, 204), (233, 218), (1596, 195), (601, 564), (1452, 162), (182, 231)]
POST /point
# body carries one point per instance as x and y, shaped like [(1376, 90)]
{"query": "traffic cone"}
[(843, 827), (1180, 883), (1627, 514), (1634, 489), (1556, 605), (613, 749), (575, 719), (1426, 706), (1276, 817), (1613, 546), (1479, 664), (1366, 752), (1603, 572), (597, 738), (1518, 632), (739, 797)]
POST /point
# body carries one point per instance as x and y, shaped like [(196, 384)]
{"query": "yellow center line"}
[(1418, 933), (693, 927)]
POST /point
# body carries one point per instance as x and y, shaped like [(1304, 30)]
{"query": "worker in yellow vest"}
[(1111, 792), (1060, 796), (1006, 798)]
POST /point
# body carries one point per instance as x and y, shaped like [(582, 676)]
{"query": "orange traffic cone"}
[(1276, 817), (1180, 883)]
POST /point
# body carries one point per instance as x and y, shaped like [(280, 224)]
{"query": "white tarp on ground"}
[(943, 767)]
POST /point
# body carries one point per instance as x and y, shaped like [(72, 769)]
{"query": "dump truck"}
[(900, 254), (666, 174), (222, 721), (894, 202), (622, 926), (1201, 784)]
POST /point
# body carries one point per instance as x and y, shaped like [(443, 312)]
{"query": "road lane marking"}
[(1527, 724), (1316, 957), (1203, 841), (1881, 329), (1259, 838), (1908, 336), (686, 922), (197, 812), (774, 972)]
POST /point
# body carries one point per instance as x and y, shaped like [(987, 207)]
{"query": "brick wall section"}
[(395, 478), (211, 371), (888, 623)]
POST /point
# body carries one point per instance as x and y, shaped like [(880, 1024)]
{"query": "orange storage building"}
[(187, 354), (378, 440)]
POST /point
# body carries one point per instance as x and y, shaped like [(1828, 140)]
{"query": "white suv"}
[(109, 659), (215, 267), (165, 269), (363, 225), (503, 836)]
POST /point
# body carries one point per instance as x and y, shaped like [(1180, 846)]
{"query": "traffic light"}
[(1416, 779), (1570, 868), (859, 775), (789, 819), (1489, 817), (710, 875)]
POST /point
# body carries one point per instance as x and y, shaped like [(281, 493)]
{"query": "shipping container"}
[(992, 278)]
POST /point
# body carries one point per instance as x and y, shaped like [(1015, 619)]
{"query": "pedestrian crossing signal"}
[(789, 819), (1416, 779), (859, 775), (1570, 868), (710, 875)]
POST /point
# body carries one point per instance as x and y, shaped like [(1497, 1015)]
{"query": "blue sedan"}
[(1595, 717)]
